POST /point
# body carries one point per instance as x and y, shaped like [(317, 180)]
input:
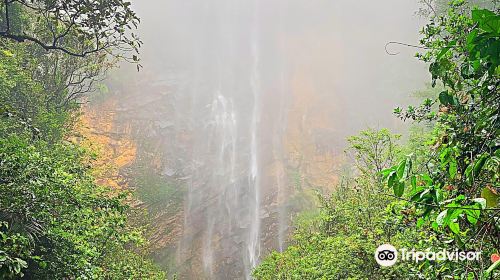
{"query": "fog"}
[(258, 91), (335, 45)]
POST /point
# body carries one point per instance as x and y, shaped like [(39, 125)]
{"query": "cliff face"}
[(309, 140), (211, 178), (128, 140), (115, 148)]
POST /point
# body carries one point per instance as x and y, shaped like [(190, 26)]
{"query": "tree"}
[(34, 94), (444, 189), (339, 242), (433, 8), (75, 27), (373, 150), (456, 188), (56, 222)]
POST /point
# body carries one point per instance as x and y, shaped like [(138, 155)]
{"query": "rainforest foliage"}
[(439, 190), (435, 189), (55, 221)]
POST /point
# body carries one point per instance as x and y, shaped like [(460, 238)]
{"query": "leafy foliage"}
[(25, 106), (439, 191), (338, 243), (77, 28), (55, 221), (456, 188)]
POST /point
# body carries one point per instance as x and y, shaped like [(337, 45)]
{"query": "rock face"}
[(115, 147), (227, 149), (237, 116), (220, 175)]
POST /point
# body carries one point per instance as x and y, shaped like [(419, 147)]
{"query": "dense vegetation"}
[(55, 221), (438, 191), (435, 189)]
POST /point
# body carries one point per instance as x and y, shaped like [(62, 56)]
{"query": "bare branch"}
[(87, 26), (403, 44)]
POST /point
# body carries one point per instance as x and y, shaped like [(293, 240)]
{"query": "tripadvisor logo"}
[(387, 255)]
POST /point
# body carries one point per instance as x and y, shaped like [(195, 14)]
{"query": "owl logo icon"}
[(386, 255)]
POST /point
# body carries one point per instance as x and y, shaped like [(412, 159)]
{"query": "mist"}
[(244, 100)]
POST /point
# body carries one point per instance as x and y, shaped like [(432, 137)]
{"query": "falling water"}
[(224, 129), (256, 88), (231, 192), (254, 184), (223, 204)]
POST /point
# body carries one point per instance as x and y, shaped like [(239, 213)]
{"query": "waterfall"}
[(230, 209), (253, 240), (244, 105), (224, 129)]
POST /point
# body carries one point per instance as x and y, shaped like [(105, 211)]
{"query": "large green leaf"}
[(398, 188), (441, 216), (478, 166), (487, 20), (473, 212), (491, 197), (391, 179), (454, 227), (445, 98), (452, 170)]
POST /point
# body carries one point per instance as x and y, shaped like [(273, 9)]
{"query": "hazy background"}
[(337, 45), (243, 100)]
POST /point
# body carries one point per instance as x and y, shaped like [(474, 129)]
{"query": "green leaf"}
[(417, 193), (468, 173), (490, 196), (442, 52), (478, 166), (487, 20), (473, 215), (392, 179), (404, 168), (7, 53), (440, 218), (452, 170), (401, 169), (420, 222), (399, 189), (444, 156), (454, 227), (414, 182), (479, 15), (445, 98), (467, 71), (435, 226), (385, 173), (452, 214), (471, 39), (459, 241), (427, 179), (473, 212), (42, 264), (439, 195)]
